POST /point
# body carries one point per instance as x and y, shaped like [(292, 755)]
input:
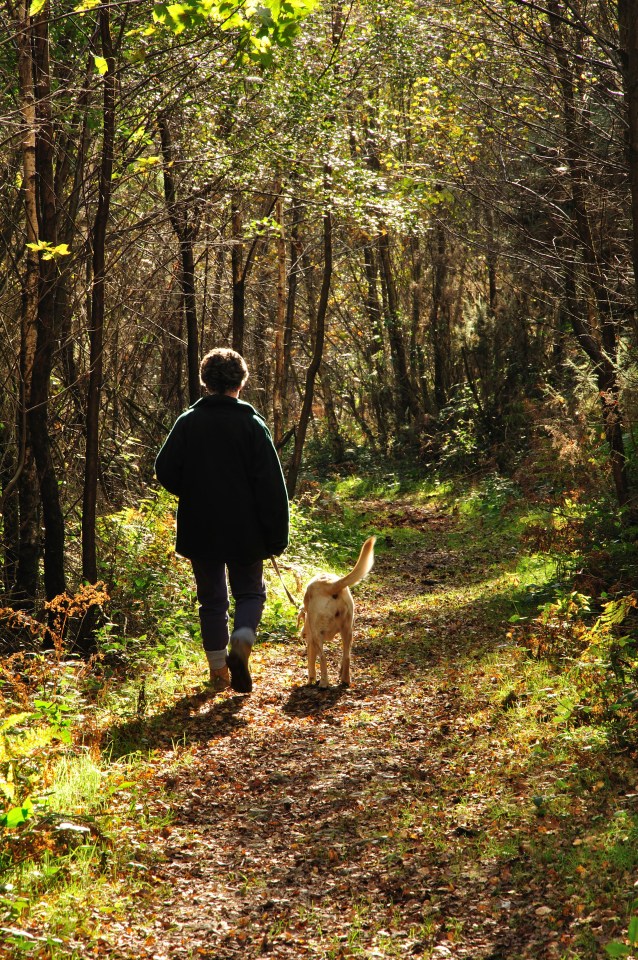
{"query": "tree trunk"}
[(216, 296), (315, 362), (337, 443), (185, 234), (26, 584), (96, 330), (190, 310), (628, 30), (380, 394), (28, 550), (280, 327), (440, 322), (406, 406), (172, 353), (239, 279), (291, 301), (78, 149), (54, 579), (10, 515)]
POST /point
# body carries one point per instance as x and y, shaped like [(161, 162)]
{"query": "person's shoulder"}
[(248, 410), (182, 417)]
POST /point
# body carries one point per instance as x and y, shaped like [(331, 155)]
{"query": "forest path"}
[(397, 818)]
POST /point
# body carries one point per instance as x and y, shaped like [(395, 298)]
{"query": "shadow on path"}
[(193, 719), (308, 701)]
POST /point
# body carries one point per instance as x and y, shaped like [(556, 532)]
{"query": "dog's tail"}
[(361, 569)]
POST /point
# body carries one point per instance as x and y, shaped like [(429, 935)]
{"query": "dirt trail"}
[(358, 822)]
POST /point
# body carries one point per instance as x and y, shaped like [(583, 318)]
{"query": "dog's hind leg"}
[(312, 665), (346, 639), (323, 664), (306, 636), (311, 653)]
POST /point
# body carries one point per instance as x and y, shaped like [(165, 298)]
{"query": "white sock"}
[(216, 659)]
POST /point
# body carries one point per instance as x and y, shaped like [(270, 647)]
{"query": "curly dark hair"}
[(223, 369)]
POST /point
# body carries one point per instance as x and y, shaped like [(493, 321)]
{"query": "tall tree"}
[(96, 318)]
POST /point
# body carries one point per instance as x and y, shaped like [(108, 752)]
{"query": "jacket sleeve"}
[(170, 460), (270, 491)]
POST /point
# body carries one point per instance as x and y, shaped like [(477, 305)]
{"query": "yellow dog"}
[(328, 609)]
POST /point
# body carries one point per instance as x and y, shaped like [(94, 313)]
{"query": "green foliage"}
[(24, 741), (459, 432), (598, 660), (48, 250), (101, 64), (259, 26), (152, 593), (618, 949)]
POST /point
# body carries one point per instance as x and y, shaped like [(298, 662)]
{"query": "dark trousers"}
[(249, 593)]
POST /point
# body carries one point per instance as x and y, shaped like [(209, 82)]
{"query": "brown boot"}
[(219, 676), (241, 645), (219, 679)]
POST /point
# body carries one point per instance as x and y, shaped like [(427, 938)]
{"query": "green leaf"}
[(120, 786), (101, 64), (616, 949), (48, 251), (632, 932), (15, 816), (36, 6)]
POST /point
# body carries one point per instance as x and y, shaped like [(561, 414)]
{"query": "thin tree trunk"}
[(184, 232), (439, 322), (28, 549), (239, 279), (337, 443), (491, 262), (26, 585), (96, 331), (417, 356), (53, 519), (280, 326), (216, 295), (315, 362), (10, 515), (628, 29), (380, 394), (291, 301), (172, 354), (190, 310), (406, 405), (79, 148)]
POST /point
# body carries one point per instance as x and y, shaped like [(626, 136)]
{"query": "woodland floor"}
[(421, 812)]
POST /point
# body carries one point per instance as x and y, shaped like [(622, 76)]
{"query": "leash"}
[(278, 572)]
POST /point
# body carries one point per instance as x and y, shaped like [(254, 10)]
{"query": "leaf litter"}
[(401, 817)]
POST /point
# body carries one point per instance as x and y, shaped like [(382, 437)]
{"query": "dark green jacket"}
[(219, 459)]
